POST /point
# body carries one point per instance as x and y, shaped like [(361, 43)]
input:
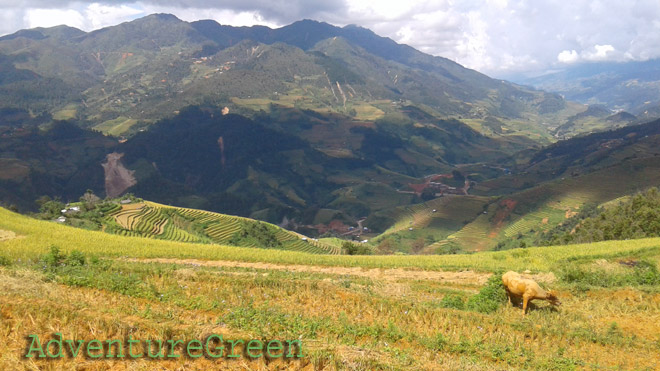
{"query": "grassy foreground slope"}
[(347, 316)]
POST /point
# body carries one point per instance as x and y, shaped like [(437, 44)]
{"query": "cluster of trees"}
[(350, 248), (256, 234), (636, 217)]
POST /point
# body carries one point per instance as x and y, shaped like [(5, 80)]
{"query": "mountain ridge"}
[(133, 70)]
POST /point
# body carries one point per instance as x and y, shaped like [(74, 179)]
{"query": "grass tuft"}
[(490, 297)]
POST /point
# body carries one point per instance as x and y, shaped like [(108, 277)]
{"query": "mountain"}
[(597, 151), (629, 86), (595, 118), (122, 78), (310, 126)]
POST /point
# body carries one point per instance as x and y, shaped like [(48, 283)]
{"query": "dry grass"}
[(361, 313), (345, 321)]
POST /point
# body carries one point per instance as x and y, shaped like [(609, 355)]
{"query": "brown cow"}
[(515, 284)]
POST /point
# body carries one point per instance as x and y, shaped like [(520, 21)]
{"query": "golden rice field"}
[(349, 312)]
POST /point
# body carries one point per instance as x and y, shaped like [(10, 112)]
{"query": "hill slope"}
[(546, 190)]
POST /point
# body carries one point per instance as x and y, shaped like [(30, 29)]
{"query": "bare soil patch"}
[(6, 235), (464, 277), (117, 177), (393, 274)]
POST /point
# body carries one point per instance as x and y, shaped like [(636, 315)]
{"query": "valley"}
[(324, 185)]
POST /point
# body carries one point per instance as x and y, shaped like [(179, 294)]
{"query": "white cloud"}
[(599, 53), (222, 16), (54, 17), (568, 56), (99, 16)]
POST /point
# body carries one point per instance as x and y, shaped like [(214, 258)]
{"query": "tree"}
[(89, 199), (350, 248), (51, 209)]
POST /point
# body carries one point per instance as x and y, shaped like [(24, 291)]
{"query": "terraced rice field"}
[(549, 204), (540, 219), (153, 220), (452, 208), (475, 236), (126, 215)]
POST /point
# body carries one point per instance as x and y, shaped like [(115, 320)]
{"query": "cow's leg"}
[(525, 301)]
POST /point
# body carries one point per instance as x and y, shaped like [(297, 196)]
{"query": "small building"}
[(61, 219), (125, 202), (71, 210)]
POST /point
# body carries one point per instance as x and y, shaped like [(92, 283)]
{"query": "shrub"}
[(490, 297), (350, 248), (75, 259), (54, 258)]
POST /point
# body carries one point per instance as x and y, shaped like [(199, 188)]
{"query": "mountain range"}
[(124, 77), (307, 126), (632, 86)]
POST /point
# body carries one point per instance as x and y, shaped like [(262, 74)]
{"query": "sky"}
[(502, 38)]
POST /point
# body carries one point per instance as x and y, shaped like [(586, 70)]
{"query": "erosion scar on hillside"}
[(117, 177)]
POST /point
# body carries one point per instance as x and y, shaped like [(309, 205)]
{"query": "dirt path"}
[(390, 274), (465, 277)]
